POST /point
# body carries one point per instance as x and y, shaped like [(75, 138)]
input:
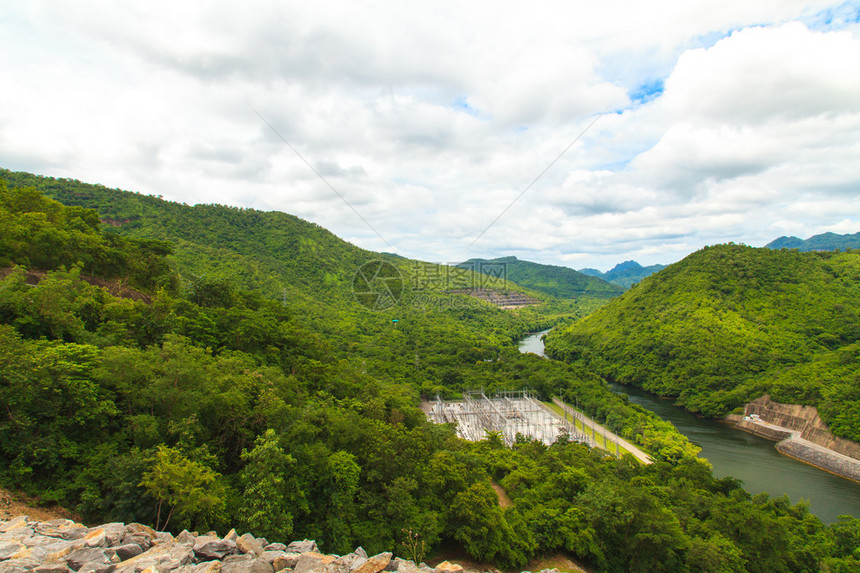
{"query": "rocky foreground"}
[(63, 546)]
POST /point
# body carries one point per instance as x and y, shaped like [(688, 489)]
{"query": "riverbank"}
[(801, 434)]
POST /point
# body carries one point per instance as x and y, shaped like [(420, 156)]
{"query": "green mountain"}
[(822, 242), (133, 389), (730, 323), (557, 281), (624, 274)]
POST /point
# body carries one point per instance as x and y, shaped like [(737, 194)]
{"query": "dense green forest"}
[(196, 401), (822, 242), (730, 323), (557, 281)]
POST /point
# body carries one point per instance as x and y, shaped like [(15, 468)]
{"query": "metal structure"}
[(508, 413)]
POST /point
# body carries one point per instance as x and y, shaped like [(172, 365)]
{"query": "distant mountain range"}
[(822, 242), (562, 282), (624, 274)]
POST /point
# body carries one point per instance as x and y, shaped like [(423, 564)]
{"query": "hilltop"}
[(822, 242), (625, 274), (729, 323), (557, 281)]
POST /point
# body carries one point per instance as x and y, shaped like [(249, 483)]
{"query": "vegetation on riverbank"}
[(217, 404), (730, 323)]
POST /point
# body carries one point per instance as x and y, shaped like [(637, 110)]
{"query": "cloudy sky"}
[(581, 133)]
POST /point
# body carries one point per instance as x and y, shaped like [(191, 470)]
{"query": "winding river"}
[(752, 459)]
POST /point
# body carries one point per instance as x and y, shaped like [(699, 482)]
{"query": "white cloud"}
[(431, 118)]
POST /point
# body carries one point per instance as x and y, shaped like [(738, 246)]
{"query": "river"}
[(749, 458)]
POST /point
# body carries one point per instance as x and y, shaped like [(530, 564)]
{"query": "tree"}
[(186, 489), (270, 490)]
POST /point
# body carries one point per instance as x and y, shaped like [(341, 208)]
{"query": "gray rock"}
[(424, 568), (302, 546), (162, 537), (211, 548), (14, 523), (142, 541), (346, 563), (238, 558), (80, 557), (140, 530), (185, 538), (247, 543), (374, 564), (9, 548), (125, 551), (270, 556), (232, 535), (114, 532), (286, 561), (205, 567), (52, 568), (62, 528), (249, 566), (312, 561), (97, 568), (404, 566), (36, 553), (18, 565), (163, 557), (361, 552), (275, 547)]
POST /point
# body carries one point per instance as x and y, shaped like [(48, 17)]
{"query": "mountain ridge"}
[(821, 242)]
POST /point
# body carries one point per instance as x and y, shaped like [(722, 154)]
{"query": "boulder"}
[(35, 553), (14, 523), (185, 538), (96, 537), (18, 565), (80, 557), (275, 547), (374, 564), (303, 546), (205, 567), (125, 551), (211, 548), (448, 567), (138, 529), (286, 561), (62, 528), (52, 568), (140, 540), (10, 548), (270, 556), (257, 565), (162, 557), (247, 543), (312, 561), (405, 566)]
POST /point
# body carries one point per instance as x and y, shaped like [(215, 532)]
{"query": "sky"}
[(577, 133)]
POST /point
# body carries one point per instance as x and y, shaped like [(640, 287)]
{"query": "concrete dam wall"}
[(803, 419), (801, 434)]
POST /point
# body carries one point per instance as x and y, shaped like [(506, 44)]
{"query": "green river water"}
[(752, 459)]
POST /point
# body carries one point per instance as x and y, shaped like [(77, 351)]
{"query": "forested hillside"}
[(822, 242), (201, 403), (730, 323), (557, 281)]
